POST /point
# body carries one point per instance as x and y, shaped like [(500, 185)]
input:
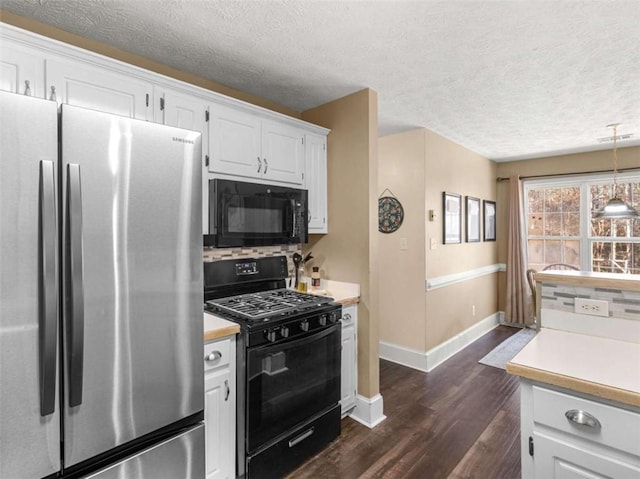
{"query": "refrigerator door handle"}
[(47, 300), (74, 296)]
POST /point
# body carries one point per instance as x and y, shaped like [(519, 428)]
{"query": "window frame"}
[(584, 181)]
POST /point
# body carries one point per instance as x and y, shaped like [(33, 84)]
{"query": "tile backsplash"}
[(217, 254), (622, 304)]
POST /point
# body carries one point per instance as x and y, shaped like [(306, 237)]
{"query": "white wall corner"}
[(368, 411), (428, 361)]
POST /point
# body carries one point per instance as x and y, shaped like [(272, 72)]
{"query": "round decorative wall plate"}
[(390, 214)]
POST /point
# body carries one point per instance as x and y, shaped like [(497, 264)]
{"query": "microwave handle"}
[(293, 212)]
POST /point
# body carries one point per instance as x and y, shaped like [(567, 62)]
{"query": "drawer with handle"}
[(217, 354), (591, 420)]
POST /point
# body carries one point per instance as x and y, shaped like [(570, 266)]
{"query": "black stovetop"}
[(266, 305)]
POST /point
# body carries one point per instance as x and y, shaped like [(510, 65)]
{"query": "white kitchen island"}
[(580, 380)]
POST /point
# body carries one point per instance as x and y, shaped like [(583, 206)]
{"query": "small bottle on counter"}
[(315, 278), (302, 279)]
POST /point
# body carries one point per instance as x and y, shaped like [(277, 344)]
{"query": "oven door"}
[(290, 382)]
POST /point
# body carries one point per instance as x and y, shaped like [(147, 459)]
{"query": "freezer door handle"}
[(74, 285), (47, 294)]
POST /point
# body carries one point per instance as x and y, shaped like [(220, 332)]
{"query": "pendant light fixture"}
[(615, 207)]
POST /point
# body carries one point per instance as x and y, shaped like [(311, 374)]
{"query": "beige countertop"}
[(342, 293), (626, 282), (215, 327), (601, 367)]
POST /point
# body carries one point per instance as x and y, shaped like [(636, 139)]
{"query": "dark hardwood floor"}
[(459, 421)]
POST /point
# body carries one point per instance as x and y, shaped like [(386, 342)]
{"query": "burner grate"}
[(267, 304)]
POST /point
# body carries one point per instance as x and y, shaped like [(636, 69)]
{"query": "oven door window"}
[(257, 217), (290, 382)]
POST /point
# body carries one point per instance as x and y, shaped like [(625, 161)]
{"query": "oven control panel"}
[(294, 328)]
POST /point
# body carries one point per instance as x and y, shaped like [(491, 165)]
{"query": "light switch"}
[(434, 243), (403, 244)]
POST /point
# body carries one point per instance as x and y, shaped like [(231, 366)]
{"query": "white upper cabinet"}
[(282, 152), (315, 181), (235, 142), (182, 110), (83, 84), (247, 145), (21, 69)]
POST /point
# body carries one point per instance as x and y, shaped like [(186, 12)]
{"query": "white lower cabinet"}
[(220, 408), (569, 436), (349, 373)]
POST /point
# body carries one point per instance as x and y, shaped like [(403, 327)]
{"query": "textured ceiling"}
[(506, 79)]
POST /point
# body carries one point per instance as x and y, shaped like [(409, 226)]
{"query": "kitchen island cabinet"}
[(580, 406)]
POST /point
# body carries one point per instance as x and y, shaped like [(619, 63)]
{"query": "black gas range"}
[(288, 363)]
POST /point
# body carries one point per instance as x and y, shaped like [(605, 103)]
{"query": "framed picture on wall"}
[(489, 208), (473, 219), (452, 218)]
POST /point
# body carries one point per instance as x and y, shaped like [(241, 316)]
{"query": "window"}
[(560, 228)]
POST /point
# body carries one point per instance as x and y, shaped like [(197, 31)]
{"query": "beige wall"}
[(554, 165), (401, 284), (345, 254), (112, 52), (418, 166)]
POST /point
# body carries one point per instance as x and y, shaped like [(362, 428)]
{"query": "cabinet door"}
[(235, 143), (189, 112), (282, 152), (220, 450), (349, 359), (21, 69), (83, 84), (315, 177), (557, 459)]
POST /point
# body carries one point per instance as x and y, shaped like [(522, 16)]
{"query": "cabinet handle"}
[(27, 87), (266, 165), (346, 317), (213, 356), (226, 385), (583, 418), (53, 96), (259, 165)]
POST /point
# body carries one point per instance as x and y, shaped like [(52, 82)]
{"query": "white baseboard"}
[(368, 411), (427, 361)]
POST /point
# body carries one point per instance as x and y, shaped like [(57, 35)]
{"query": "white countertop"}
[(602, 367)]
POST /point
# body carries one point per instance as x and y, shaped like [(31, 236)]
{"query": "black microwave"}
[(251, 214)]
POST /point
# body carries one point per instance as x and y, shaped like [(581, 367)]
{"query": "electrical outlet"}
[(593, 307), (403, 244)]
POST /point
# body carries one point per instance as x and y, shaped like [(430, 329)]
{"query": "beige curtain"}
[(519, 307)]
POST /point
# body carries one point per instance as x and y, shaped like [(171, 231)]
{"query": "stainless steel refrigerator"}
[(101, 371)]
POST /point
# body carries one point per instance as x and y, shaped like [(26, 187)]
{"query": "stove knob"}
[(333, 317), (304, 325), (323, 320), (284, 331), (270, 335)]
